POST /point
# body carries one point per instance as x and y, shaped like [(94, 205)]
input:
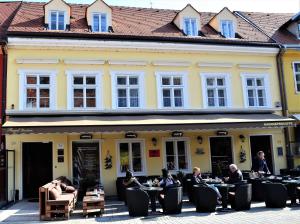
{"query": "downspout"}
[(285, 112), (4, 78)]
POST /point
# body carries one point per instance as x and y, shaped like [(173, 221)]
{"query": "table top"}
[(152, 188), (94, 192), (225, 185), (291, 181), (92, 199), (213, 181)]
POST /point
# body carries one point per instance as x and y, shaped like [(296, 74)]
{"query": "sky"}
[(291, 6)]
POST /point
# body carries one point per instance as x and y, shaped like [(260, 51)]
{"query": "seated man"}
[(235, 175), (130, 180)]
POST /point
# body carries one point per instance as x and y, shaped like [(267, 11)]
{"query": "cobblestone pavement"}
[(116, 212)]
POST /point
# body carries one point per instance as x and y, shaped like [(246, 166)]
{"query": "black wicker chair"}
[(205, 198), (173, 200), (241, 198), (137, 202), (257, 190), (275, 195)]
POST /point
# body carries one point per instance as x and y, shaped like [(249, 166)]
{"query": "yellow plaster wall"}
[(193, 71), (292, 96), (154, 165), (98, 7), (57, 5)]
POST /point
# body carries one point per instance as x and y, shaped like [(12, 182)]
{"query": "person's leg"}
[(216, 190), (161, 200)]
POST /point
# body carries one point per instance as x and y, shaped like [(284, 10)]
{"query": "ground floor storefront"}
[(103, 157)]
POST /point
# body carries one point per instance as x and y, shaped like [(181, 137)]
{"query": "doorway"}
[(37, 167), (221, 155), (262, 143), (86, 164)]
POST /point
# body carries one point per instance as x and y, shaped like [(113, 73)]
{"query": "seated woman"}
[(197, 179), (130, 180), (167, 181), (235, 175)]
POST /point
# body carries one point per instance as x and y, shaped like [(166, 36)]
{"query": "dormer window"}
[(99, 22), (190, 27), (298, 30), (57, 20), (227, 29)]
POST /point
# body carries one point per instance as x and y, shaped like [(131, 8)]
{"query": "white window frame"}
[(228, 91), (22, 88), (99, 14), (227, 22), (191, 27), (143, 155), (188, 153), (294, 74), (244, 77), (70, 74), (159, 87), (114, 89), (57, 19)]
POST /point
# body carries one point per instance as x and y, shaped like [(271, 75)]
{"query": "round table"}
[(213, 181), (292, 186), (153, 192), (224, 188)]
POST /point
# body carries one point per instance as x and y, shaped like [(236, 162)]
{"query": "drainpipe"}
[(4, 78), (285, 112)]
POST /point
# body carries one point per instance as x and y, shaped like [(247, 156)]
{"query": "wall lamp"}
[(154, 141), (242, 137), (199, 139)]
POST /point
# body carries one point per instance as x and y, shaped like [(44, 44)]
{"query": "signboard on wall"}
[(154, 153)]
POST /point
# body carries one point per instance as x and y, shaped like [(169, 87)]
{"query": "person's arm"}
[(266, 168)]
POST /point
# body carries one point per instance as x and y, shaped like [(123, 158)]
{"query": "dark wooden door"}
[(221, 155), (37, 167), (262, 143)]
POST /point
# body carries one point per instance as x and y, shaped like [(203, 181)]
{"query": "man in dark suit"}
[(260, 164)]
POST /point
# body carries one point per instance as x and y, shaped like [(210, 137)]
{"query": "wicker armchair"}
[(173, 200), (137, 202), (205, 198), (275, 195), (241, 198)]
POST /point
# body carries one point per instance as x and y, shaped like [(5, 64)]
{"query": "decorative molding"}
[(36, 61), (215, 64), (20, 42), (255, 66), (124, 62), (172, 63), (84, 62)]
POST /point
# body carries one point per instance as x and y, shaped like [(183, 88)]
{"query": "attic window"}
[(227, 29), (57, 20), (99, 22), (190, 26), (298, 30)]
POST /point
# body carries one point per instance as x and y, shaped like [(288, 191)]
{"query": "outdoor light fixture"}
[(154, 141), (199, 139), (242, 137), (12, 106)]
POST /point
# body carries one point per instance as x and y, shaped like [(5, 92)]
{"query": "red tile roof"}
[(129, 22), (7, 12)]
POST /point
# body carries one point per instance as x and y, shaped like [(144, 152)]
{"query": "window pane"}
[(181, 147), (53, 21), (90, 93), (297, 67), (182, 162), (170, 148), (121, 80), (210, 93), (78, 93), (31, 79), (171, 162), (259, 82), (136, 149), (177, 92), (222, 102), (133, 81), (137, 164), (78, 102), (122, 93), (44, 93), (122, 102), (61, 21), (221, 93), (78, 80), (90, 80), (31, 102), (31, 92), (91, 102), (220, 82), (134, 98), (103, 23), (178, 97), (194, 27), (96, 23), (187, 27), (298, 78), (122, 98), (134, 102), (44, 102), (250, 93), (210, 82), (250, 82), (44, 80), (177, 81), (124, 157), (166, 97), (211, 102), (166, 81)]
